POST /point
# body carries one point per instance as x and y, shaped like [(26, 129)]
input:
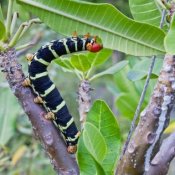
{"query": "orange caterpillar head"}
[(94, 45)]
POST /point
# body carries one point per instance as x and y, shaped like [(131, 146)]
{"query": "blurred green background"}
[(20, 152)]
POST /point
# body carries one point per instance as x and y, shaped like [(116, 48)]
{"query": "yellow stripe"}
[(39, 75), (41, 61), (48, 90), (71, 139), (65, 45), (75, 42), (84, 41), (68, 124), (53, 51), (59, 107)]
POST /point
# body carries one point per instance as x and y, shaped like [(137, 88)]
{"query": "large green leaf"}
[(2, 26), (87, 163), (146, 11), (170, 38), (94, 142), (104, 120), (112, 70), (116, 30)]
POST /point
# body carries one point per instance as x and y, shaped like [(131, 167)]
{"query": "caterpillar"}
[(46, 91)]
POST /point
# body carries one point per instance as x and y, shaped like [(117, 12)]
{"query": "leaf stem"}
[(13, 24), (9, 15), (20, 31)]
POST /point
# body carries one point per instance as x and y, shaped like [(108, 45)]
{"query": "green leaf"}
[(112, 70), (99, 58), (146, 11), (116, 30), (170, 38), (2, 26), (23, 14), (94, 142), (126, 105), (80, 62), (104, 120), (140, 69), (8, 113), (87, 163), (65, 63)]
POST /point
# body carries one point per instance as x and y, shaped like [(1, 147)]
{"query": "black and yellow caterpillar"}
[(46, 91)]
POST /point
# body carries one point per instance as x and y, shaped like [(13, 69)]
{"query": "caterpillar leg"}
[(50, 116), (38, 99), (26, 82), (29, 57)]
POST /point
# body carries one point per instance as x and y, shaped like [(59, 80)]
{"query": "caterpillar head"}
[(94, 45)]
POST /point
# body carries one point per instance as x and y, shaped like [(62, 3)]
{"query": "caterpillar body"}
[(46, 91)]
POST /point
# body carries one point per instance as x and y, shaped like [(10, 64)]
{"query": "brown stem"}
[(84, 100), (161, 161), (152, 123), (45, 130)]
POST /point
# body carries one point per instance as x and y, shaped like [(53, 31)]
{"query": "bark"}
[(44, 130), (84, 100), (153, 121), (161, 161)]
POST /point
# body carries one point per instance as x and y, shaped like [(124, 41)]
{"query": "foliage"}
[(129, 91), (121, 33), (146, 11), (170, 37), (7, 117), (100, 140), (83, 64), (2, 26)]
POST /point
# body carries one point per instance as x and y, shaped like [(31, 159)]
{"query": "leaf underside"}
[(116, 30)]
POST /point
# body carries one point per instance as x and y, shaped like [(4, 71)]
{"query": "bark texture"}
[(84, 100), (153, 121), (44, 130)]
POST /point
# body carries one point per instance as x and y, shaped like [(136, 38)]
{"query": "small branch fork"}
[(44, 130)]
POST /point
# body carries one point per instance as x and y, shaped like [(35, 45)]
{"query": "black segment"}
[(53, 99)]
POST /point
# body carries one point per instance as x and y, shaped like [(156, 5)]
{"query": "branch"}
[(45, 130), (152, 123), (160, 163), (84, 100)]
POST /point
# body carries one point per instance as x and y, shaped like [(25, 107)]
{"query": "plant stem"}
[(14, 19), (20, 31), (84, 100), (9, 15)]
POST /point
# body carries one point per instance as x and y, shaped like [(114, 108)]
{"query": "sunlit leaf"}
[(87, 163), (104, 120), (116, 30)]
